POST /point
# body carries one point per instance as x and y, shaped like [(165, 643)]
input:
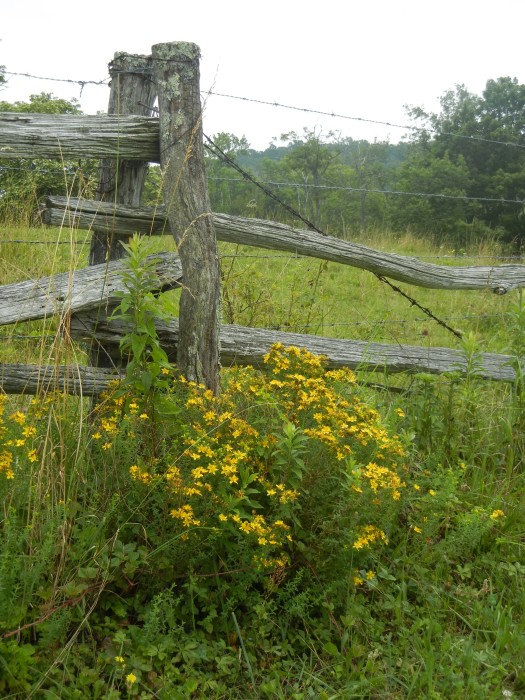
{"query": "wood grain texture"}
[(247, 346), (500, 279), (67, 293), (65, 136)]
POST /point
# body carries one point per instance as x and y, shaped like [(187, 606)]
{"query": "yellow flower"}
[(370, 575), (431, 492), (96, 436), (416, 529), (144, 416), (368, 535), (131, 678), (32, 456), (400, 412), (497, 514), (164, 370), (185, 513), (120, 659), (358, 581), (18, 417)]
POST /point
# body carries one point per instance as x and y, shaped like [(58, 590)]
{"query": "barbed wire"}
[(302, 258), (81, 83), (378, 122), (18, 336), (301, 185), (21, 240), (458, 257), (307, 110), (387, 321), (365, 190), (320, 324), (248, 176)]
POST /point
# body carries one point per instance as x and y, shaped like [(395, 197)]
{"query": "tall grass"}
[(104, 593)]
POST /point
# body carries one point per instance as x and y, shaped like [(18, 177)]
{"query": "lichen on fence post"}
[(184, 185)]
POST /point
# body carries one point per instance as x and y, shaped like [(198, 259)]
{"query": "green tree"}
[(370, 176), (425, 176), (229, 193), (486, 134), (310, 162)]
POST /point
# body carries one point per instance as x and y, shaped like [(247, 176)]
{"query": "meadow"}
[(307, 534)]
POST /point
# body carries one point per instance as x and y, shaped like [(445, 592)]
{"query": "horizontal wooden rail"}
[(266, 234), (65, 136), (244, 345), (241, 345), (73, 379), (79, 290)]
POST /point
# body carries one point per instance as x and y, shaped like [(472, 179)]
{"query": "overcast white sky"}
[(362, 59)]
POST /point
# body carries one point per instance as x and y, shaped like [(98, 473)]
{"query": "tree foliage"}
[(484, 138)]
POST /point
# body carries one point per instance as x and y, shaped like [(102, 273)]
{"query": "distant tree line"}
[(465, 167), (459, 176)]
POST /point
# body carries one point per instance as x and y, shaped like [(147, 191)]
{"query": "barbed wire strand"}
[(306, 110), (298, 185), (82, 83), (458, 257), (229, 161), (378, 122), (342, 324), (361, 190)]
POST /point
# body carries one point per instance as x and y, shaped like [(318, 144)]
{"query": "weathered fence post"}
[(176, 75), (121, 181)]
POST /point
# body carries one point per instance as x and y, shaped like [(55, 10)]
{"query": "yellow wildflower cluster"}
[(380, 477), (497, 514), (186, 515), (138, 474), (236, 463), (265, 533), (18, 437), (6, 464), (368, 535)]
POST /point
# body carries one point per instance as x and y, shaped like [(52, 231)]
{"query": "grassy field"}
[(307, 535), (275, 290)]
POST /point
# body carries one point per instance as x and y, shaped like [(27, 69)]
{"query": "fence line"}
[(305, 186), (320, 324), (365, 190), (278, 256), (306, 110), (81, 297)]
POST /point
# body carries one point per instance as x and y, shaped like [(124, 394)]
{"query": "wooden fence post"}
[(176, 75), (121, 181)]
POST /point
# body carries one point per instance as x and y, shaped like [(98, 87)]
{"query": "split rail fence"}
[(126, 140)]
